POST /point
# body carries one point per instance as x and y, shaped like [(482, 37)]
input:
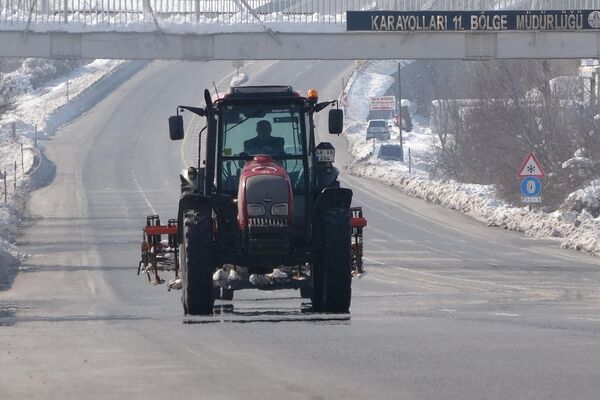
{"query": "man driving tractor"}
[(264, 143)]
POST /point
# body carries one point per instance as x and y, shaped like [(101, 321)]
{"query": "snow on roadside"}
[(35, 107), (579, 231)]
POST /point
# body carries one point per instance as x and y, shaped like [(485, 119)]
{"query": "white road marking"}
[(139, 187), (91, 284), (500, 314), (384, 280)]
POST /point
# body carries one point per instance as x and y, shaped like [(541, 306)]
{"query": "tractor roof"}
[(261, 91)]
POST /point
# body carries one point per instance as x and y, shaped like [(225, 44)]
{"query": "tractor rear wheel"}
[(332, 271), (196, 265), (306, 292)]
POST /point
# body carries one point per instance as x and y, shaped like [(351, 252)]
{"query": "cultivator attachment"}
[(159, 254), (358, 223)]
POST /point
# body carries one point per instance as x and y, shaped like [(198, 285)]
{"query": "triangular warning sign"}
[(531, 167)]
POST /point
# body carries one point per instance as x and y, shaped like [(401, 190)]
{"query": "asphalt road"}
[(449, 309)]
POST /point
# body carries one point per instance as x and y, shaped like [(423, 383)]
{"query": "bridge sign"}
[(494, 21), (531, 167)]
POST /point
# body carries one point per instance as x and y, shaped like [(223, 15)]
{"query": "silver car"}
[(378, 129)]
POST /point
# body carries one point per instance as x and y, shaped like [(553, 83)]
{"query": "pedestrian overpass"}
[(300, 29)]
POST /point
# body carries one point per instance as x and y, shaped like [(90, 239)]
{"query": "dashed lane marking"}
[(139, 187)]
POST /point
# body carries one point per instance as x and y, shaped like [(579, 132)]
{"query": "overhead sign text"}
[(439, 21)]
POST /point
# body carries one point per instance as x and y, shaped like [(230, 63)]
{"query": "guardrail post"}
[(15, 182), (22, 160), (66, 14), (197, 5)]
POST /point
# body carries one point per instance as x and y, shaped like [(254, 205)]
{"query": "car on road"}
[(391, 152), (378, 129)]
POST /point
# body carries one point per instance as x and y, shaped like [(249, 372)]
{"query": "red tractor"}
[(264, 208)]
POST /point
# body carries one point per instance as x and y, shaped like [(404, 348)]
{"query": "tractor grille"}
[(256, 222), (268, 236)]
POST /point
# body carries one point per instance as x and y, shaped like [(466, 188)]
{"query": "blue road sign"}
[(531, 186)]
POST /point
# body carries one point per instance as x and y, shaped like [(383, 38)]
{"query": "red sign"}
[(531, 167)]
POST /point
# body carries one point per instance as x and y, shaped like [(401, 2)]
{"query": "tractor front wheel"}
[(196, 265), (332, 271)]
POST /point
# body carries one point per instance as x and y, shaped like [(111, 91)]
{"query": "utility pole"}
[(399, 111), (399, 89)]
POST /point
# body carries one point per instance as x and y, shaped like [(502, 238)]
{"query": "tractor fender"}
[(333, 197), (327, 176), (191, 201)]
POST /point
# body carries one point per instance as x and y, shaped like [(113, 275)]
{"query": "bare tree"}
[(515, 107)]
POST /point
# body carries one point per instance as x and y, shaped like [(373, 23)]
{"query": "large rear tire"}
[(306, 292), (196, 265), (332, 271)]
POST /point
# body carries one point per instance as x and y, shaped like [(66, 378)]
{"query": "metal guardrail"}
[(127, 15)]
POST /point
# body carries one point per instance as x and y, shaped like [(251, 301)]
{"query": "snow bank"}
[(45, 106), (578, 229), (54, 95)]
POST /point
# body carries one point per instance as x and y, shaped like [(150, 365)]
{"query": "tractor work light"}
[(255, 210), (279, 209)]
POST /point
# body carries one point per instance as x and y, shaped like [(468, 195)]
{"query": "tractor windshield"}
[(276, 129), (273, 129)]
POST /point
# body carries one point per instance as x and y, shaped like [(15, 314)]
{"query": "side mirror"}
[(176, 127), (336, 121)]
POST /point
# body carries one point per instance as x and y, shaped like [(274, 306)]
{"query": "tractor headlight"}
[(279, 209), (255, 210)]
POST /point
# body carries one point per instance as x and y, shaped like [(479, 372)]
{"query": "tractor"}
[(264, 208)]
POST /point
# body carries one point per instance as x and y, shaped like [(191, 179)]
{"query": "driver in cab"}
[(264, 143)]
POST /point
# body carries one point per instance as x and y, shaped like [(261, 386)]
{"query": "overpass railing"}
[(198, 15)]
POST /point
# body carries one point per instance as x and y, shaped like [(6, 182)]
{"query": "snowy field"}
[(574, 230)]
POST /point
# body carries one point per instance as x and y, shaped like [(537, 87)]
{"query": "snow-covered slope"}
[(43, 106)]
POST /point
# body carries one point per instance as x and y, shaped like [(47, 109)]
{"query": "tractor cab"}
[(248, 127)]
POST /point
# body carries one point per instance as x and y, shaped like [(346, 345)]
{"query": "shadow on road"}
[(226, 313)]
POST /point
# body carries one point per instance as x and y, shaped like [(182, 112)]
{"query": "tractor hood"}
[(265, 194)]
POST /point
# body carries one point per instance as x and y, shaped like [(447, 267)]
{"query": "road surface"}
[(449, 309)]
